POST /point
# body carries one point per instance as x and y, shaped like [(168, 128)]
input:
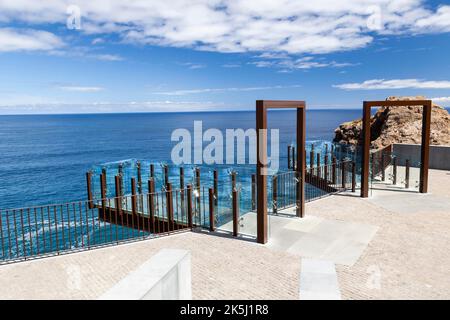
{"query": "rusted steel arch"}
[(261, 179), (425, 147)]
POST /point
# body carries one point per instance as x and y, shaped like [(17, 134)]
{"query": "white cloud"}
[(193, 65), (438, 22), (106, 57), (111, 107), (287, 63), (28, 40), (81, 88), (380, 84), (218, 90), (84, 52), (231, 65), (291, 26), (14, 98), (97, 41), (272, 55), (441, 99)]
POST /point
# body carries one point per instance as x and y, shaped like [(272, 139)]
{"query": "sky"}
[(74, 56)]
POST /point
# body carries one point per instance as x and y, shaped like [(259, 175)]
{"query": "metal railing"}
[(56, 229), (379, 161), (321, 181)]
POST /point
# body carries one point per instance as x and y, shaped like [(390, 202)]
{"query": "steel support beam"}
[(261, 174), (425, 147)]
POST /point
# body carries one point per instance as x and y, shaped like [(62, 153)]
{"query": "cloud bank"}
[(81, 88), (219, 90), (291, 26), (382, 84), (28, 40), (111, 107)]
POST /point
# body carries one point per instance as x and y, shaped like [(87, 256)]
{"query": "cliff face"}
[(397, 125)]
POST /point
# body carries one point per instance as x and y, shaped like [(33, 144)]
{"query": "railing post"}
[(289, 157), (253, 192), (197, 182), (372, 174), (344, 174), (383, 171), (394, 170), (133, 197), (299, 189), (274, 194), (311, 158), (89, 190), (293, 159), (233, 180), (151, 201), (120, 169), (407, 174), (333, 171), (425, 149), (182, 190), (169, 205), (211, 210), (189, 205), (235, 213), (166, 174), (216, 187), (305, 164), (139, 177), (353, 176), (325, 168), (105, 180), (152, 171), (103, 191), (318, 173), (139, 188), (118, 195)]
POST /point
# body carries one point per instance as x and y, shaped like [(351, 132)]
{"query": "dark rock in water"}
[(397, 125)]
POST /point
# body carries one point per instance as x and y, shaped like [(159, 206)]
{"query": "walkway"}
[(405, 255)]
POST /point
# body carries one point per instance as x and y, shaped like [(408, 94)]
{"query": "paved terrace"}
[(401, 254)]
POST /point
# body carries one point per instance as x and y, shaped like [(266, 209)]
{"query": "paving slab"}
[(318, 280), (342, 242), (405, 202)]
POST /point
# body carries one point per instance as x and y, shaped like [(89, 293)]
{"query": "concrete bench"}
[(165, 276)]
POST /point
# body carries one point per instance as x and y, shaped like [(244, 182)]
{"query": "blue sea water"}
[(43, 158)]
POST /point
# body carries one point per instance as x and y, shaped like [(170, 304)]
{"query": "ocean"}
[(44, 158)]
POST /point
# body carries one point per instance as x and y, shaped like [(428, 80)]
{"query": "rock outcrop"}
[(397, 125)]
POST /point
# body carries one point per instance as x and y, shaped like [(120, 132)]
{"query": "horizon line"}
[(165, 112), (175, 112)]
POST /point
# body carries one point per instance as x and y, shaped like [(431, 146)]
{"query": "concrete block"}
[(165, 276)]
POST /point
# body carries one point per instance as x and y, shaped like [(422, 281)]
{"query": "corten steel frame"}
[(261, 179), (425, 147)]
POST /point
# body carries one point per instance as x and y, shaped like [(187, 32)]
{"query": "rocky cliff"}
[(397, 125)]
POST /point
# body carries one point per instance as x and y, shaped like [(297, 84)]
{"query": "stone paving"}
[(407, 258), (341, 242), (222, 268)]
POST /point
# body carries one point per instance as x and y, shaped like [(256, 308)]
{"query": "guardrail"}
[(321, 180), (56, 229)]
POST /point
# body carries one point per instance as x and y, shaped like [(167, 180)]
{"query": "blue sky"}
[(150, 56)]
